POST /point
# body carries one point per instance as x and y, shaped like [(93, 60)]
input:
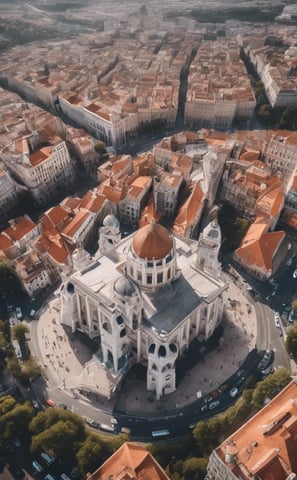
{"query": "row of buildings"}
[(180, 179), (114, 86), (39, 154), (274, 57), (219, 89)]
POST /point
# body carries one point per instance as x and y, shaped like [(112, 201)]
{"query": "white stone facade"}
[(144, 302)]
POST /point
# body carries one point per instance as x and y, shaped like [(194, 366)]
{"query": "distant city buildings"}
[(219, 89)]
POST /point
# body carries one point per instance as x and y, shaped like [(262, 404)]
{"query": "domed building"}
[(147, 300)]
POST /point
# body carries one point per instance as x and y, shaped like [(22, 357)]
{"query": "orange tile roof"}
[(188, 211), (5, 242), (92, 202), (71, 202), (57, 215), (54, 247), (265, 447), (258, 247), (22, 226), (130, 461), (39, 156), (149, 213), (75, 223)]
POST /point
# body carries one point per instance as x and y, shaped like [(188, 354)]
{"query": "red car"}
[(50, 403)]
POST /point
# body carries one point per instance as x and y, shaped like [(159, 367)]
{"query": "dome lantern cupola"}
[(151, 261)]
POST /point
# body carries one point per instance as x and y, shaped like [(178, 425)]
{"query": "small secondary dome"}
[(123, 286), (111, 221), (152, 241)]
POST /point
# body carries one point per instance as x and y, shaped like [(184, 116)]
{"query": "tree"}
[(270, 386), (9, 280), (100, 147), (15, 418), (291, 341), (294, 305), (233, 227), (92, 454), (266, 113), (194, 468), (15, 368), (59, 430), (31, 368), (19, 333)]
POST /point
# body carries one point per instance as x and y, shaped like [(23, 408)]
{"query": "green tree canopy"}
[(19, 333), (194, 468), (15, 418), (294, 305), (266, 114), (92, 454), (59, 430), (291, 341), (9, 281), (15, 368), (233, 227), (100, 147), (270, 386)]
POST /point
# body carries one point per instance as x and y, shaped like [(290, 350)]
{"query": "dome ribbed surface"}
[(124, 287), (152, 241)]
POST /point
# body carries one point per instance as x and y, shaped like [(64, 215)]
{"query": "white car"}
[(233, 392), (295, 274), (277, 320)]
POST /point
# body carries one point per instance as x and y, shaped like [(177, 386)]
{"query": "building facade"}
[(145, 301)]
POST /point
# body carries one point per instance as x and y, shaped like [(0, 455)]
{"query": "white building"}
[(145, 301), (8, 194), (46, 173)]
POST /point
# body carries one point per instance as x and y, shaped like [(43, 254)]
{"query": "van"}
[(49, 477), (107, 428), (47, 458), (65, 477), (126, 430), (37, 467)]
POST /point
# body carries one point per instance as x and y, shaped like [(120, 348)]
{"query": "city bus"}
[(160, 433)]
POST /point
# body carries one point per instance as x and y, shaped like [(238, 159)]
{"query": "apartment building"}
[(32, 273), (46, 172), (166, 191), (8, 195), (275, 66), (281, 155), (264, 447), (188, 216), (219, 90), (131, 206)]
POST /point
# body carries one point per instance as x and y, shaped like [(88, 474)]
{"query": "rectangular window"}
[(149, 279), (159, 277)]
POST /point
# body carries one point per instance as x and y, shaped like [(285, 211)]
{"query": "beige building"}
[(47, 172)]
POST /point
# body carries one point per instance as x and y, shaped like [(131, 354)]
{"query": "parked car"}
[(233, 392), (18, 312), (50, 403), (37, 467), (266, 359), (214, 404)]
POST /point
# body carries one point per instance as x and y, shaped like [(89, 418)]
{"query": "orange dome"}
[(152, 241)]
